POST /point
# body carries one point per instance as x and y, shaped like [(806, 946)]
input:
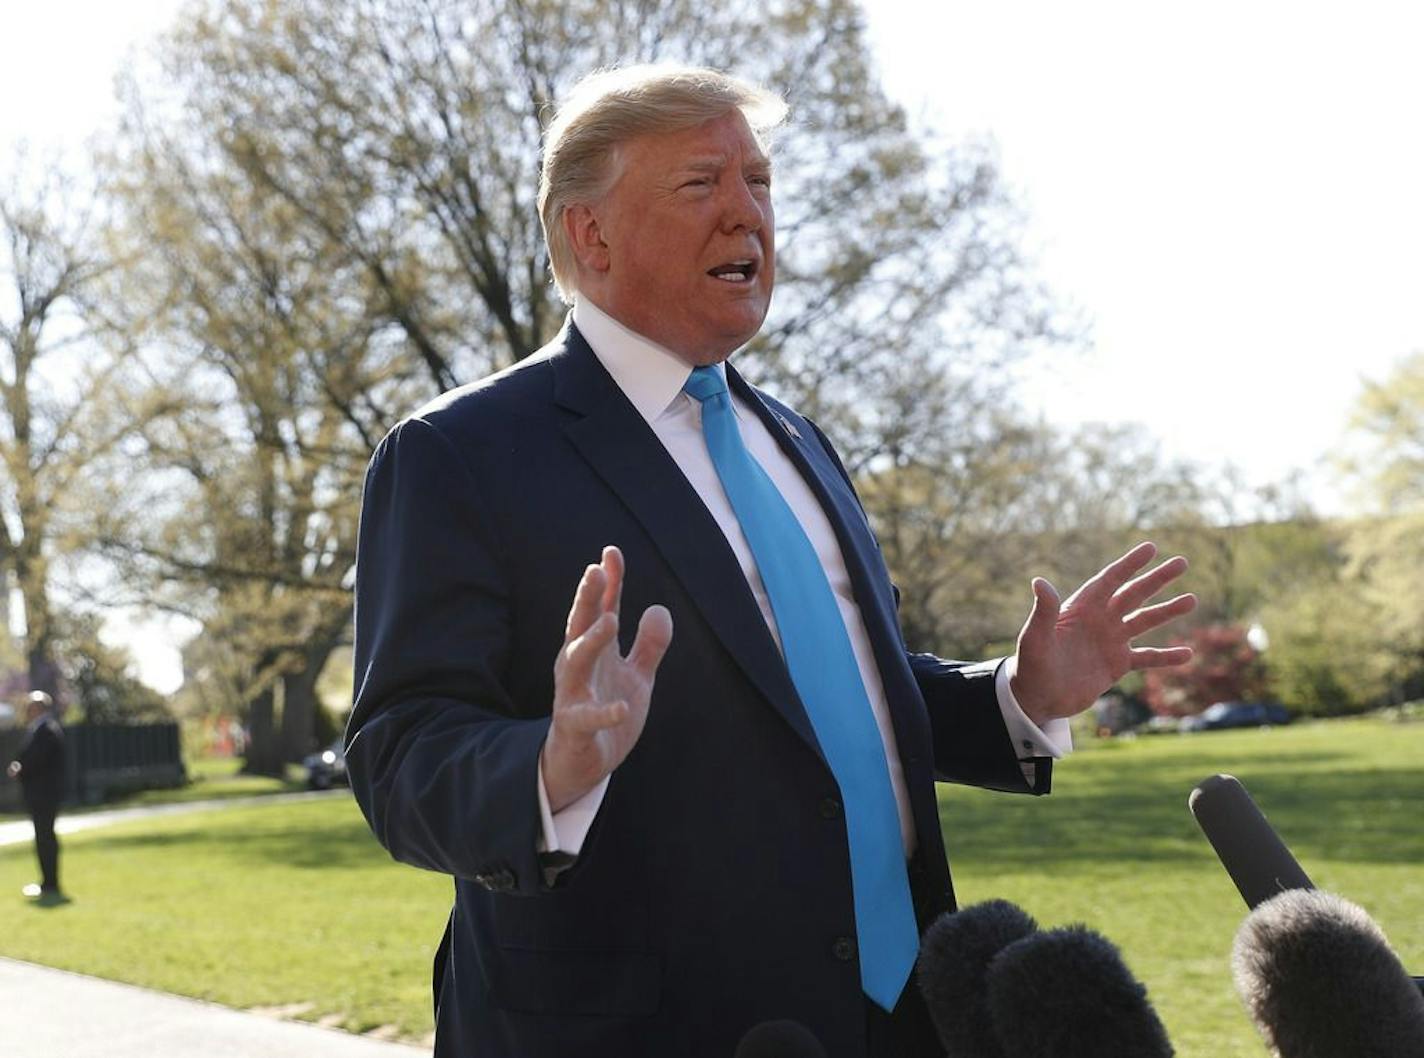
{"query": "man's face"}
[(690, 238)]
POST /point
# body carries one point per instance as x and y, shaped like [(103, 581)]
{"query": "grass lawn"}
[(294, 905), (1116, 848), (281, 905), (217, 778)]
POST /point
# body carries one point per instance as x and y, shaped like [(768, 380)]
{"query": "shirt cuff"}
[(564, 831), (1053, 739)]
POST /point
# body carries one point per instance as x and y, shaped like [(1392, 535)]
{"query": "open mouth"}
[(741, 271)]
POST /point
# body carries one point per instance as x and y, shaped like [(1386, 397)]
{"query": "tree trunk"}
[(264, 750), (31, 575), (299, 698)]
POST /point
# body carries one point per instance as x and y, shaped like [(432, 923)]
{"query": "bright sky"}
[(1229, 190)]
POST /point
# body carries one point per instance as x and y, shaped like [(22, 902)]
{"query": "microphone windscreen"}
[(1250, 850), (1068, 994), (1320, 980), (780, 1039), (955, 953)]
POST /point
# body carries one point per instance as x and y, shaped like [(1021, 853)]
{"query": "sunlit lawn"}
[(1115, 847), (294, 905), (280, 905)]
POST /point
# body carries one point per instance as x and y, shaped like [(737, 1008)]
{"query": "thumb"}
[(1044, 614)]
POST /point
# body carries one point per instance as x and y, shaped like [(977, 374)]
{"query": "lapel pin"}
[(789, 428)]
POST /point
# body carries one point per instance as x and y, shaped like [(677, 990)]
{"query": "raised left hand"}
[(1071, 652)]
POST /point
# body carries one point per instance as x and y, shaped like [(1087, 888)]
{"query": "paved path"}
[(52, 1014), (23, 830)]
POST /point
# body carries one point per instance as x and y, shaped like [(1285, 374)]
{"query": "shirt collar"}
[(651, 376)]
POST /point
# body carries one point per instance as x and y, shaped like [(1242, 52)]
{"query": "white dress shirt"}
[(652, 378)]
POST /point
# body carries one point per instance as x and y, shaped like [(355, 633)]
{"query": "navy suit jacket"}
[(713, 890)]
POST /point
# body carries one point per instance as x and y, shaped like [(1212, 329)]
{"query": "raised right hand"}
[(600, 697)]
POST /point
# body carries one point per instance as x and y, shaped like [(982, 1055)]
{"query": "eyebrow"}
[(714, 162)]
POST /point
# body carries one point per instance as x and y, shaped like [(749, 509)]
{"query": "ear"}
[(585, 235)]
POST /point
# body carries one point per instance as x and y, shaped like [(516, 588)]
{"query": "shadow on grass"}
[(50, 903), (1367, 815), (339, 845)]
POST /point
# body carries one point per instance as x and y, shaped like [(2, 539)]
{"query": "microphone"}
[(1067, 993), (1250, 850), (779, 1039), (955, 954), (1320, 980)]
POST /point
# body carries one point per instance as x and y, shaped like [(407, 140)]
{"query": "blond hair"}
[(609, 107)]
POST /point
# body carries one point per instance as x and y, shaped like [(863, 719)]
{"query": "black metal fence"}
[(104, 760)]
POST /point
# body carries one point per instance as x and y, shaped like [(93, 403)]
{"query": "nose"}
[(742, 210)]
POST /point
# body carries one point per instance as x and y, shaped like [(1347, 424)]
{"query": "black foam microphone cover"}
[(1067, 993), (1250, 850), (780, 1039), (955, 953), (1321, 981)]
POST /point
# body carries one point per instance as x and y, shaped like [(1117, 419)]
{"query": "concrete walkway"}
[(48, 1013), (23, 830)]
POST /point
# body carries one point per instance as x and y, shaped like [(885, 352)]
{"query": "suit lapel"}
[(869, 583), (621, 447)]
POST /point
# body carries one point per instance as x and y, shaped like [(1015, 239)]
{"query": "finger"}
[(654, 635), (585, 608), (1151, 617), (1044, 615), (589, 718), (582, 653), (1113, 576), (1136, 592), (612, 561), (1160, 657)]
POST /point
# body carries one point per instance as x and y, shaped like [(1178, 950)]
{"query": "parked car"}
[(327, 768), (1224, 715)]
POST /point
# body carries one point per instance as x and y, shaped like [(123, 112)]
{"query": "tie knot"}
[(704, 383)]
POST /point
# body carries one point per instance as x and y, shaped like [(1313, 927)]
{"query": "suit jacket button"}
[(830, 808), (844, 948), (503, 880)]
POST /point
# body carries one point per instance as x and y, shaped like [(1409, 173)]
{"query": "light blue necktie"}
[(823, 668)]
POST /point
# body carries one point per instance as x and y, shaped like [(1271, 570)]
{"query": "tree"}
[(100, 679), (964, 517), (248, 522), (1385, 549), (1326, 655), (406, 133), (1224, 667), (64, 405)]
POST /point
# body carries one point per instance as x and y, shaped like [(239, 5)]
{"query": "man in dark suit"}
[(39, 765), (659, 840)]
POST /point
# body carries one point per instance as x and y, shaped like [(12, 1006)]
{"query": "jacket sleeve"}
[(442, 761), (972, 745)]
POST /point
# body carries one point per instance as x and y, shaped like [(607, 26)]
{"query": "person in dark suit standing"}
[(39, 765), (661, 838)]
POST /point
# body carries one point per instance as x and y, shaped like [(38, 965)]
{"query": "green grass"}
[(216, 778), (279, 905), (295, 905), (1116, 848)]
